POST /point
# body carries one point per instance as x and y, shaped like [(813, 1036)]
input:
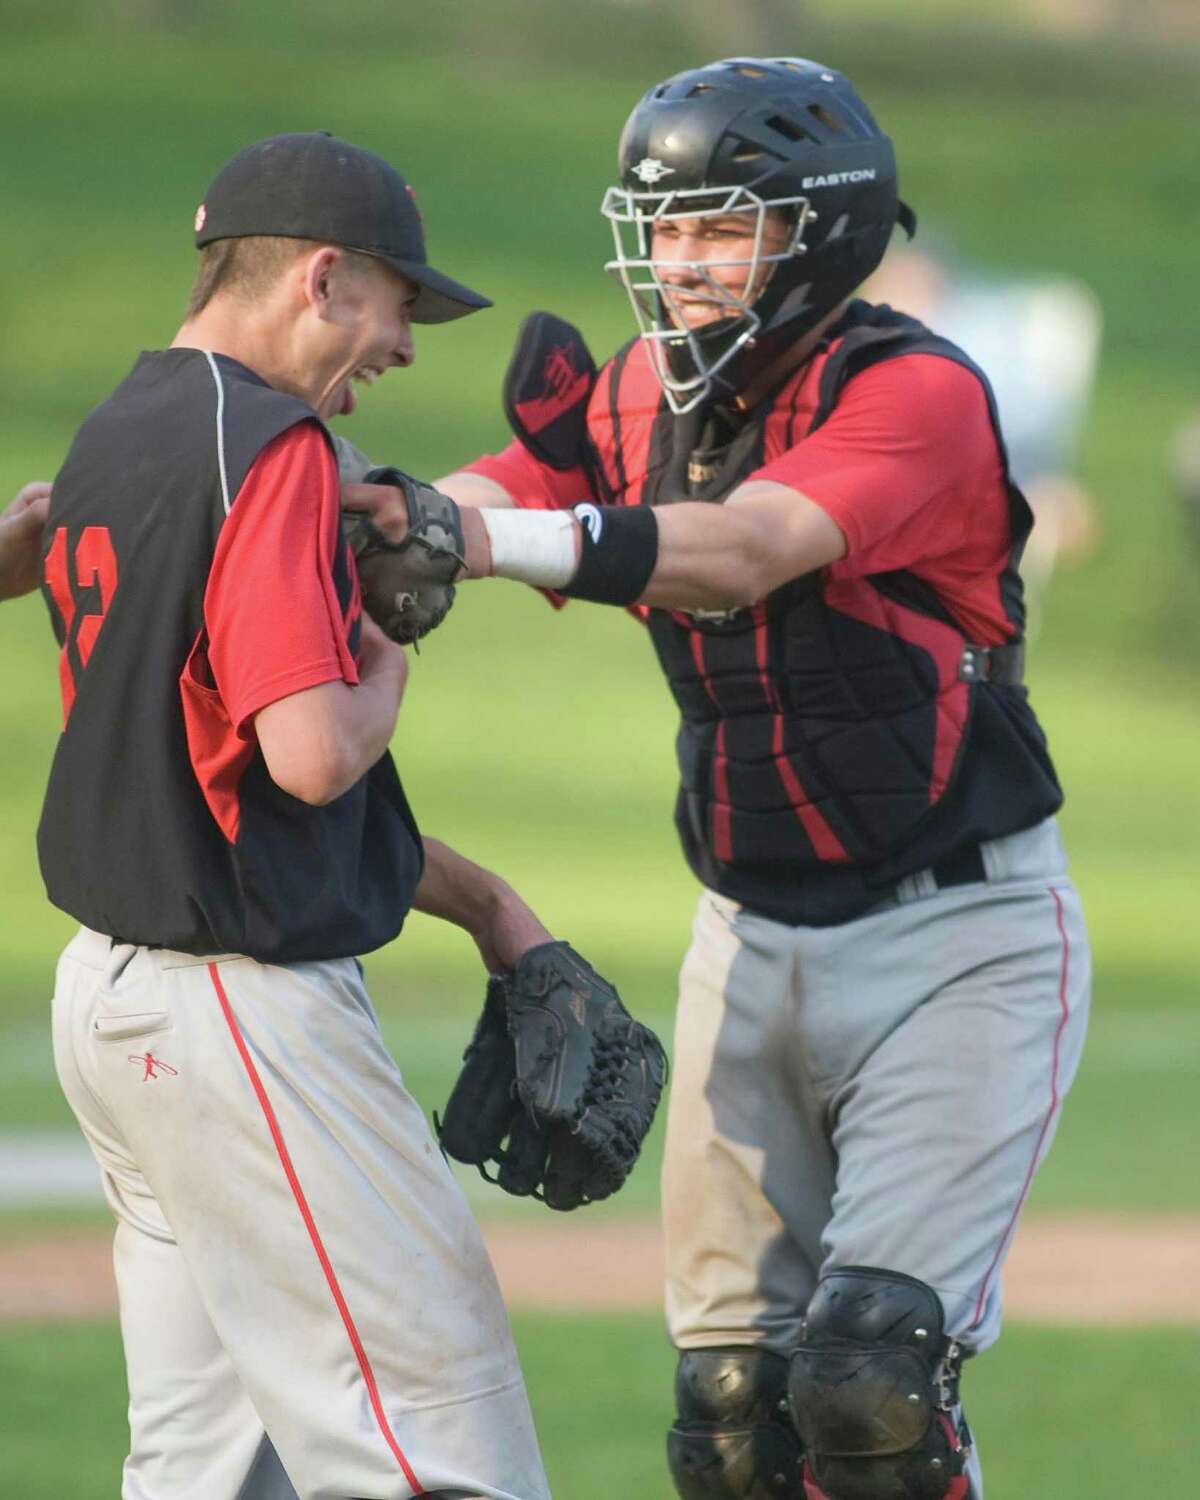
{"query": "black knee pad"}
[(734, 1438), (873, 1390)]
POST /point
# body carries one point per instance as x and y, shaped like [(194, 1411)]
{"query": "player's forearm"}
[(476, 490), (368, 721), (690, 555), (319, 742), (456, 890), (708, 558), (733, 555)]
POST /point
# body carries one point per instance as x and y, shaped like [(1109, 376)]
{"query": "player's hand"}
[(33, 496), (21, 523), (385, 505)]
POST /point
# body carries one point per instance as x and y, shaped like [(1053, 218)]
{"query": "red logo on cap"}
[(198, 222), (413, 196)]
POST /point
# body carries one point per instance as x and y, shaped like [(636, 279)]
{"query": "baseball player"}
[(807, 499), (307, 1308), (21, 523)]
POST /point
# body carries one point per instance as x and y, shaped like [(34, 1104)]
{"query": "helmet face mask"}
[(686, 358), (751, 137)]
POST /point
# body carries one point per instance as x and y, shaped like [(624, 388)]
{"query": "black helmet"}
[(748, 135)]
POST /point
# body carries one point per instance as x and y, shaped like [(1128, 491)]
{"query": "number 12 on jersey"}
[(95, 568)]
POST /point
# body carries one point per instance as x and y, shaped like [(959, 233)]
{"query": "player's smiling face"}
[(690, 255), (367, 326)]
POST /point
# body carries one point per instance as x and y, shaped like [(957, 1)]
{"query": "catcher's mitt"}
[(559, 1068), (407, 586)]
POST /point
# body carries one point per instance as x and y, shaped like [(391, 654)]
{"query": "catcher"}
[(808, 500)]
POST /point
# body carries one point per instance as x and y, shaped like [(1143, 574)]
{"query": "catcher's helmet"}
[(748, 135)]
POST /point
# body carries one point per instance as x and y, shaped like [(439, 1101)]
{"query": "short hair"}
[(251, 266)]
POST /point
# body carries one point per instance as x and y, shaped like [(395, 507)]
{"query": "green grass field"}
[(541, 744), (1062, 1412)]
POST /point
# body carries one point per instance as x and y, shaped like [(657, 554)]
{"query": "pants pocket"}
[(122, 1028)]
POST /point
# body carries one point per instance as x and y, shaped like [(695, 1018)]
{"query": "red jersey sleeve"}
[(533, 485), (907, 465), (271, 610)]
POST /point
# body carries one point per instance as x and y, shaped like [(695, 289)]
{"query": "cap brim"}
[(440, 299)]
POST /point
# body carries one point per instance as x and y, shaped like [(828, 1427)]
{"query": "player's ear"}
[(318, 278)]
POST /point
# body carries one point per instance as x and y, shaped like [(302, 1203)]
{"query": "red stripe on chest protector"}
[(826, 843), (722, 816), (943, 643), (289, 1171), (722, 813), (638, 397)]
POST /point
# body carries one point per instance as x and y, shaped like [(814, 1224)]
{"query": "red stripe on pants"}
[(289, 1171), (1064, 1016)]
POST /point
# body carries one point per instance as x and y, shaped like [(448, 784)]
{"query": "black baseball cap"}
[(313, 186)]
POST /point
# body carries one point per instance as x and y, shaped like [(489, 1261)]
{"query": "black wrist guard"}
[(620, 549)]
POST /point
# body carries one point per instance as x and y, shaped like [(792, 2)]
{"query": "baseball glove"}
[(561, 1071), (407, 586)]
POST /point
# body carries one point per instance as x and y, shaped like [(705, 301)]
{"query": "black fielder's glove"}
[(407, 586), (559, 1084)]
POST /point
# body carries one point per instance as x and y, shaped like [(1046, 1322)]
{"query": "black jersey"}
[(128, 840)]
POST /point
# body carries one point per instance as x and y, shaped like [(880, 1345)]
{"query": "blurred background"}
[(1049, 147)]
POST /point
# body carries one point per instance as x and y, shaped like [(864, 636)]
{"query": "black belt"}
[(964, 867)]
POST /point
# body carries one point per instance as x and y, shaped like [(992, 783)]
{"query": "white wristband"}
[(532, 546)]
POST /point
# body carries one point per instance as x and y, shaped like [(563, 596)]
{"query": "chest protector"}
[(840, 734)]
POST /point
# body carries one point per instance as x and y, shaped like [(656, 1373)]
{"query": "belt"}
[(964, 867)]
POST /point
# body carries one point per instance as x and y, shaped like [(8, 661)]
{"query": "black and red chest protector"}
[(829, 743)]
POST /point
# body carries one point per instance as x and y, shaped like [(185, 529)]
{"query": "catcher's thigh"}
[(878, 1093), (941, 1124), (748, 1172)]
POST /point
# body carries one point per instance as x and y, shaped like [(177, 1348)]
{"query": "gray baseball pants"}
[(878, 1093)]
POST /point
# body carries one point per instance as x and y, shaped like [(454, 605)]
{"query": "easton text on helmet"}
[(838, 179)]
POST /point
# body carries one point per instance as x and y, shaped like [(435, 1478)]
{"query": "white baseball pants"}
[(307, 1307)]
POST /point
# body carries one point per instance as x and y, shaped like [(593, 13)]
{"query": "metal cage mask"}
[(662, 323)]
